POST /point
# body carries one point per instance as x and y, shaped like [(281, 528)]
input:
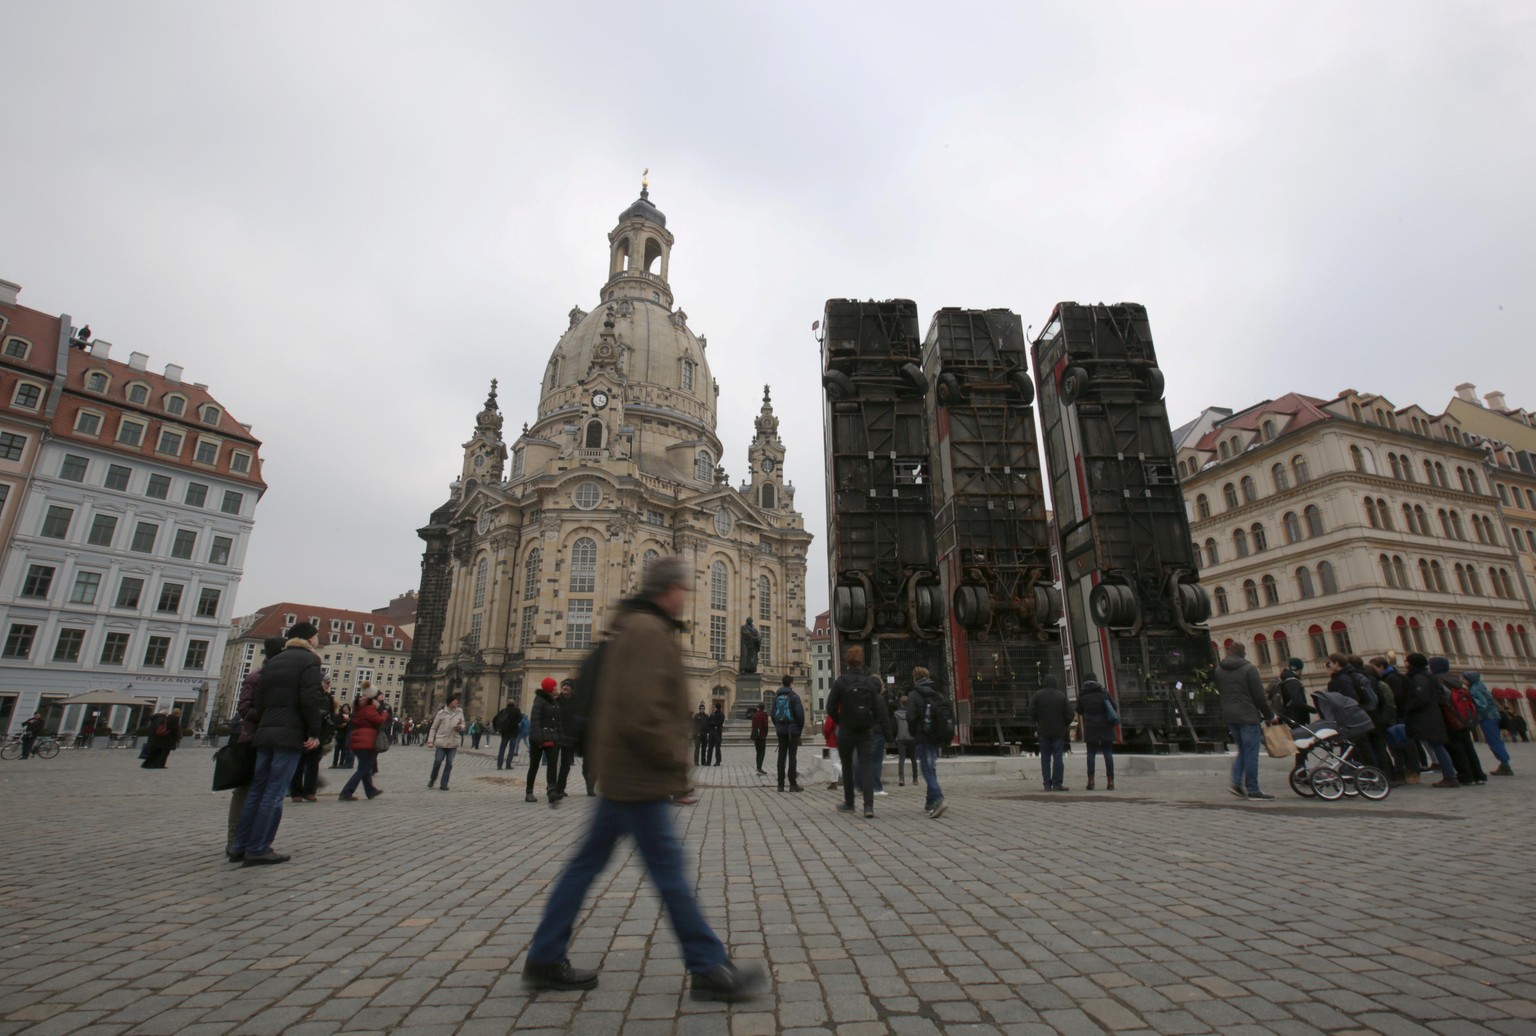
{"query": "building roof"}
[(821, 629), (269, 623)]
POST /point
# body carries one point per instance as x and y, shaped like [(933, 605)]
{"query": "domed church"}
[(622, 463)]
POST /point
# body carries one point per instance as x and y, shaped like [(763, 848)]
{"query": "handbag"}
[(234, 765), (1278, 741), (381, 740), (1110, 712)]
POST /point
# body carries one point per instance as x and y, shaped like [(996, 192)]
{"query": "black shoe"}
[(1237, 790), (233, 856), (845, 807), (729, 983), (261, 858), (795, 787), (1259, 795), (781, 787), (557, 976), (869, 814), (530, 797)]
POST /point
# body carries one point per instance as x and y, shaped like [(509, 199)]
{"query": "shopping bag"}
[(234, 765), (1278, 742)]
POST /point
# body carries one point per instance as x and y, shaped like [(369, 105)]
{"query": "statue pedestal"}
[(749, 693)]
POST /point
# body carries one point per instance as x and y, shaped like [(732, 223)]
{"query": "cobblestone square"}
[(1166, 906)]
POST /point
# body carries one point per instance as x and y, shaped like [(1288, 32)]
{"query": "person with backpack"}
[(1460, 721), (1094, 709), (857, 705), (788, 723), (1488, 721), (905, 744), (638, 744), (1406, 757), (506, 724), (1424, 719), (1368, 678), (1385, 718), (932, 723), (1293, 693), (760, 737), (1345, 679), (1052, 714)]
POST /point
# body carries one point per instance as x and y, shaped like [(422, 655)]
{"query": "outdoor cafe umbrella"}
[(105, 697)]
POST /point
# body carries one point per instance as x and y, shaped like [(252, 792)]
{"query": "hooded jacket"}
[(924, 693), (289, 702), (1421, 712), (1093, 706), (544, 719), (1487, 708), (1243, 702), (796, 724), (1050, 711), (640, 721)]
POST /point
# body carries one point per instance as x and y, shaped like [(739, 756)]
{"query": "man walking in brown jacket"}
[(640, 756)]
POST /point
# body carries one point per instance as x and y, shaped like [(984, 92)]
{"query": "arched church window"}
[(584, 566), (719, 586), (594, 435), (769, 498), (531, 569), (687, 376), (764, 598), (703, 466), (482, 573), (554, 372), (652, 255)]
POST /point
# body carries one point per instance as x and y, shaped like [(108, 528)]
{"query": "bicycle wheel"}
[(12, 750), (46, 749), (1301, 784), (1328, 784), (1372, 783)]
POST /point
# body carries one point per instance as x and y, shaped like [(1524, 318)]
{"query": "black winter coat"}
[(290, 704), (1051, 712), (924, 693), (1093, 706), (1421, 712), (796, 711), (544, 719)]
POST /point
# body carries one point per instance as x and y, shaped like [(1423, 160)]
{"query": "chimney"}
[(138, 361), (173, 372), (1467, 392), (8, 293), (200, 385), (1496, 401), (101, 350)]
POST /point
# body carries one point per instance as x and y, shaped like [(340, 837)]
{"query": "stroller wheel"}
[(1301, 784), (1372, 783), (1328, 784)]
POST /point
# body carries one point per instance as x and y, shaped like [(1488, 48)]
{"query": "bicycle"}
[(45, 746)]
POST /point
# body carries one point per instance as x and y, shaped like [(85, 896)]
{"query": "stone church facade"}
[(537, 541)]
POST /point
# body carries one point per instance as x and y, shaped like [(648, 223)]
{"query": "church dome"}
[(643, 209)]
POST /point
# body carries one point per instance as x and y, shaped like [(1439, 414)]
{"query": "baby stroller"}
[(1325, 759)]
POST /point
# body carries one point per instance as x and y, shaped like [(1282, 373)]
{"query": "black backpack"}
[(576, 713), (938, 721), (858, 706), (1367, 690)]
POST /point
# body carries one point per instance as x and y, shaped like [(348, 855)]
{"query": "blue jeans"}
[(263, 809), (1495, 740), (442, 760), (507, 752), (1245, 768), (1094, 748), (650, 824), (367, 760), (1051, 751), (927, 755)]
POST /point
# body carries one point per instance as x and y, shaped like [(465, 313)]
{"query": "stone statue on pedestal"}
[(750, 642)]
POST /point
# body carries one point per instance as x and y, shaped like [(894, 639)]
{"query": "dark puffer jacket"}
[(1093, 706), (289, 702), (1421, 713), (544, 719)]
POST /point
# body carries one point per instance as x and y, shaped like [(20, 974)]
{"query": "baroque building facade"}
[(621, 464), (1356, 526)]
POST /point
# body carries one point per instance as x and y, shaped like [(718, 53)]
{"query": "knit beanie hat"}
[(302, 631), (1294, 663), (1439, 665), (273, 646), (549, 684)]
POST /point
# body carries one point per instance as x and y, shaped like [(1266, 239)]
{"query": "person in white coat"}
[(447, 728)]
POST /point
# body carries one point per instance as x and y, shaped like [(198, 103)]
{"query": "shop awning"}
[(1530, 692), (1505, 693)]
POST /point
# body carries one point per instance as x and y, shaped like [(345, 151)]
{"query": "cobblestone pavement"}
[(1167, 907)]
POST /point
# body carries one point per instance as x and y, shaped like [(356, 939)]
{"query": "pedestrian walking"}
[(341, 722), (543, 742), (1488, 720), (857, 705), (905, 745), (1424, 719), (1460, 721), (1052, 714), (164, 736), (760, 737), (788, 724), (927, 714), (370, 722), (1244, 707), (639, 747), (829, 753), (506, 724), (443, 738), (1093, 707), (714, 749), (242, 729), (288, 709)]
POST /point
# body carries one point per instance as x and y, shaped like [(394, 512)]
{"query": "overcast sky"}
[(347, 218)]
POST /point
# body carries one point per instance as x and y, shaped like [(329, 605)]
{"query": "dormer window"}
[(28, 396), (138, 394), (210, 415), (175, 405), (97, 381), (17, 348)]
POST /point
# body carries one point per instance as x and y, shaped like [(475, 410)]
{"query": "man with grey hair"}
[(640, 757), (1244, 705)]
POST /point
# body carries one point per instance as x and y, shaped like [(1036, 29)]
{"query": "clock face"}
[(768, 464), (599, 399), (723, 522)]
